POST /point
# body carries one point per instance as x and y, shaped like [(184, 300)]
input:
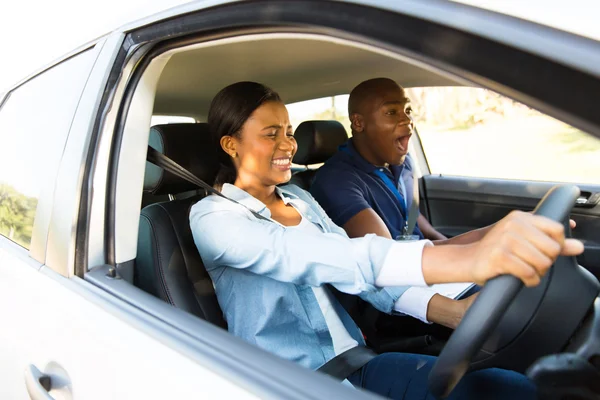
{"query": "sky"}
[(36, 32), (576, 16)]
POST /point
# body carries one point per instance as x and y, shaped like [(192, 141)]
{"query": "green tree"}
[(17, 212)]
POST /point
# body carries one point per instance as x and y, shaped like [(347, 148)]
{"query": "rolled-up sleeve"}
[(232, 238), (410, 254), (414, 302)]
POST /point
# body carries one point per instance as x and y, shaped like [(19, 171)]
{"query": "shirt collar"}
[(363, 164), (247, 200)]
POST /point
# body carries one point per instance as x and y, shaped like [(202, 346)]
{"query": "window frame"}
[(37, 249)]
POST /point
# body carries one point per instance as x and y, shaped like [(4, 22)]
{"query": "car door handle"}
[(587, 200), (38, 384)]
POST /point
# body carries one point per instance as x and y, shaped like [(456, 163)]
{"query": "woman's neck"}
[(265, 194)]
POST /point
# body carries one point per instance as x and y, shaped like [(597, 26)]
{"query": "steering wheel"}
[(494, 299)]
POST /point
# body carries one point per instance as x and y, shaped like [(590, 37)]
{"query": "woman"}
[(270, 270)]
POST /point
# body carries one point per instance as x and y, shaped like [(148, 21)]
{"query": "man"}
[(367, 188)]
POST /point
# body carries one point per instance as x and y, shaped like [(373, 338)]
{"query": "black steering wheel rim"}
[(486, 311)]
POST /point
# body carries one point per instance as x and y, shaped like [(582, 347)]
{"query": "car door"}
[(488, 155), (35, 118), (52, 342), (69, 316)]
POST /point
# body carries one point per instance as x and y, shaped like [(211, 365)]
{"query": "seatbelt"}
[(345, 364), (342, 365), (160, 160), (413, 212)]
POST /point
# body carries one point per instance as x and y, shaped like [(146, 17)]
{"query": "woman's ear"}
[(229, 146), (357, 122)]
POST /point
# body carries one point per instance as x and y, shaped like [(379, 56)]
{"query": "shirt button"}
[(310, 217)]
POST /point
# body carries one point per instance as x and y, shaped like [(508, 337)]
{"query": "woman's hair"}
[(228, 112)]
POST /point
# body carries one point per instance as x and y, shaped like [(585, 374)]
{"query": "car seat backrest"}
[(168, 264), (317, 142)]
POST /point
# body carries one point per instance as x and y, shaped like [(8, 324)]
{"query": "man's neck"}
[(365, 152)]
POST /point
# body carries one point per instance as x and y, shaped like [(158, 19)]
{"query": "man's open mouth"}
[(402, 142)]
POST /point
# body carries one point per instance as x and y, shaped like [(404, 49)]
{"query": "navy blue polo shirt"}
[(348, 184)]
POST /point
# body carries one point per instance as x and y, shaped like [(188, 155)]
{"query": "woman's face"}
[(263, 152)]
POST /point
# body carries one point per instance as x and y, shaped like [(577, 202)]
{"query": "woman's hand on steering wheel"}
[(521, 244)]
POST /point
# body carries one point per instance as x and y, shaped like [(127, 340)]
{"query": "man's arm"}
[(466, 238), (365, 222), (428, 230), (474, 235)]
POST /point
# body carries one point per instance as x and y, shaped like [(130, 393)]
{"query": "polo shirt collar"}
[(363, 164)]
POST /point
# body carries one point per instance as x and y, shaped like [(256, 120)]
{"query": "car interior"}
[(303, 67)]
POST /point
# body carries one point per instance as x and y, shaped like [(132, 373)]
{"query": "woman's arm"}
[(229, 236), (521, 244)]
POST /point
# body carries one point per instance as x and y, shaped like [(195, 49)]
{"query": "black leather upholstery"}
[(182, 143), (168, 264), (317, 141)]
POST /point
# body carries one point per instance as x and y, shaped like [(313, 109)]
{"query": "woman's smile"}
[(282, 163)]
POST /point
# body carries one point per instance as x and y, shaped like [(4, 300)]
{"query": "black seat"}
[(317, 142), (168, 264)]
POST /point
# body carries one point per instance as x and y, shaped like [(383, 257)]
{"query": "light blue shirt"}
[(264, 272)]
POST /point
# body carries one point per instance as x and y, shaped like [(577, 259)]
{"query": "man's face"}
[(387, 124)]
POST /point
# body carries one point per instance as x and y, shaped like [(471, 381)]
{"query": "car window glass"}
[(478, 133), (170, 119), (34, 124), (324, 108)]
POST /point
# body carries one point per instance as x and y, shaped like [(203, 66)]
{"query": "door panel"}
[(458, 204), (89, 352), (95, 345)]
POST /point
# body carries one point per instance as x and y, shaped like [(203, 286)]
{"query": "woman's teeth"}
[(285, 161)]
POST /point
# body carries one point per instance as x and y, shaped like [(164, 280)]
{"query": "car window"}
[(170, 119), (478, 133), (324, 108), (34, 123)]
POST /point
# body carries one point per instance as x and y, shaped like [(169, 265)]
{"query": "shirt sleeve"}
[(396, 297), (339, 193), (414, 302), (410, 252), (234, 238)]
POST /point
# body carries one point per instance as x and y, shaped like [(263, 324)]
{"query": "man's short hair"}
[(363, 91)]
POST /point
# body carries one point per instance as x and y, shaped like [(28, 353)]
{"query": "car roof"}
[(577, 17), (480, 17)]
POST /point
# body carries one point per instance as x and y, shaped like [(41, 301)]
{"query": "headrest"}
[(318, 141), (189, 145)]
